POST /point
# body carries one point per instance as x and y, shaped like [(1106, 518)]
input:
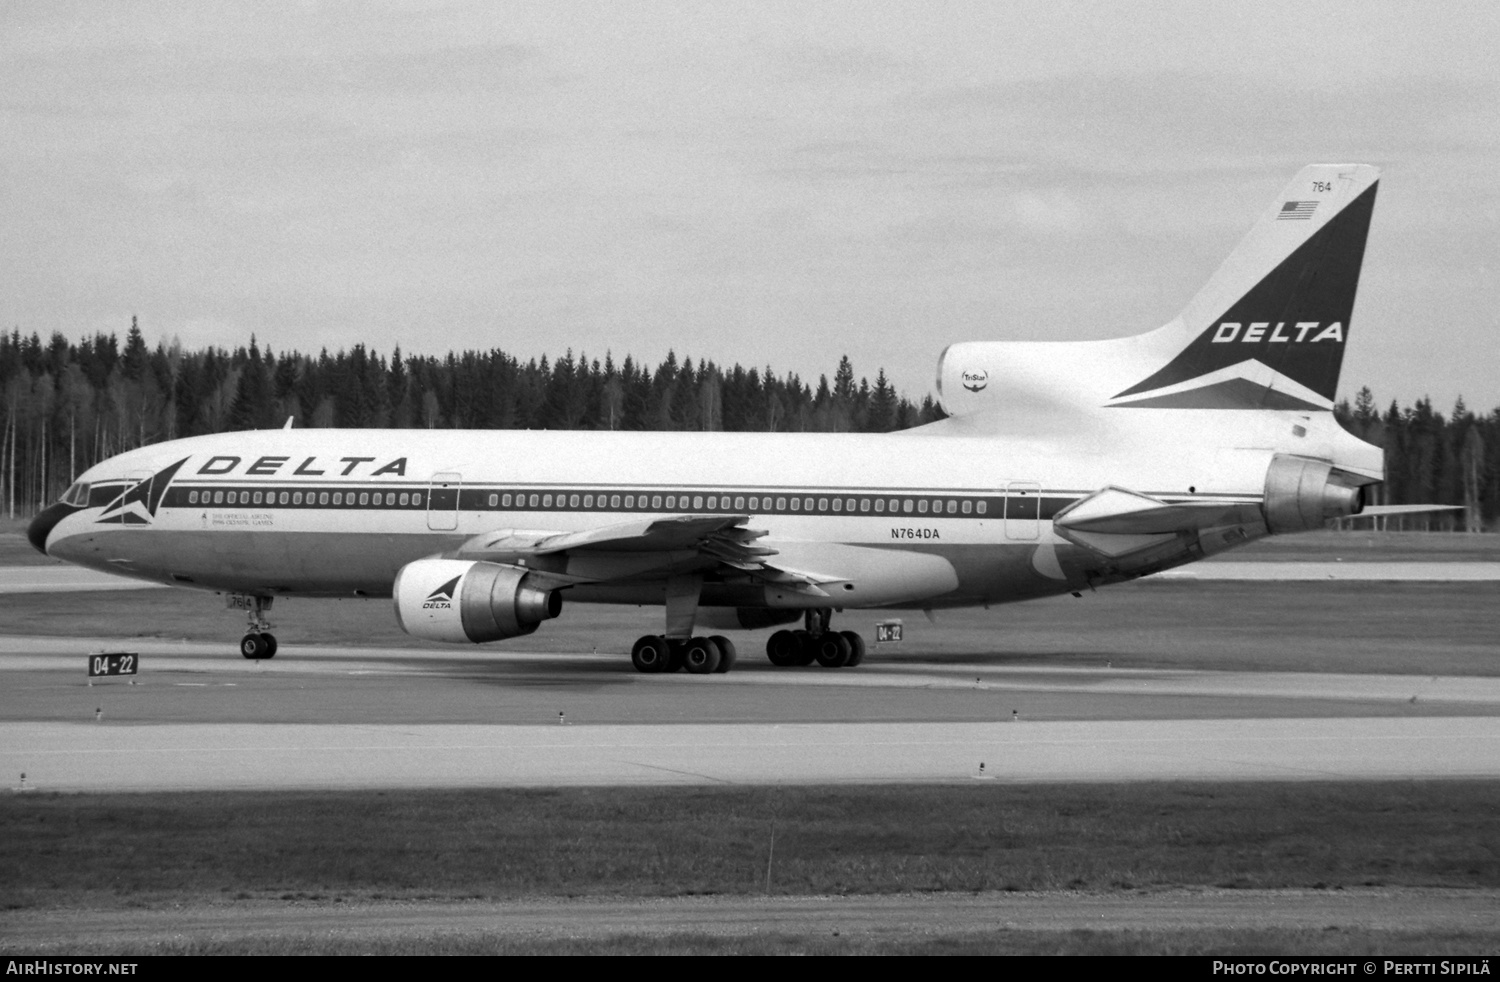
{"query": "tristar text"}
[(309, 467)]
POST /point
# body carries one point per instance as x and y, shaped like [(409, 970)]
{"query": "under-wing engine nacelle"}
[(457, 600), (1303, 493)]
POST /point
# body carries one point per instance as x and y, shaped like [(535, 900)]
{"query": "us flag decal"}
[(1294, 210)]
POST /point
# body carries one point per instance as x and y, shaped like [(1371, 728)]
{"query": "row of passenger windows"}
[(606, 502), (751, 503), (390, 499)]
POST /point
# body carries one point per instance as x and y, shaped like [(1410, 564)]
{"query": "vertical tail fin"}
[(1269, 328)]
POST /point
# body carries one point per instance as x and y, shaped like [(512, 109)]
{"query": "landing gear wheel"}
[(807, 648), (782, 649), (856, 648), (701, 656), (650, 654), (253, 646), (269, 640), (726, 653), (832, 650)]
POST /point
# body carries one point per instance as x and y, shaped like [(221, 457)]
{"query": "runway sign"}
[(113, 663), (887, 632)]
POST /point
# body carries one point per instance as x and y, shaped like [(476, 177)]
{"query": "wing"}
[(648, 548)]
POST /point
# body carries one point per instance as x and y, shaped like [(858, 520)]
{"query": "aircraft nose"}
[(42, 525)]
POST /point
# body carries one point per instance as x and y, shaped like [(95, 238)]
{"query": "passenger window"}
[(338, 497), (536, 499), (739, 504), (671, 501), (907, 506), (192, 497), (572, 501), (218, 497), (980, 507), (404, 498), (494, 500), (968, 506), (822, 504), (323, 498), (952, 507), (297, 498), (879, 506), (364, 499), (754, 504), (864, 504), (656, 501), (614, 501), (780, 504), (257, 497), (796, 504), (713, 503), (546, 501), (630, 501)]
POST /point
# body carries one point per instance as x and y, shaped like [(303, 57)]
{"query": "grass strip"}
[(149, 849), (1218, 942)]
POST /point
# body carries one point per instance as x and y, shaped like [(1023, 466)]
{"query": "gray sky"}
[(766, 183)]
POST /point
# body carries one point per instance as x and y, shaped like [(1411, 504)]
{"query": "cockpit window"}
[(77, 495)]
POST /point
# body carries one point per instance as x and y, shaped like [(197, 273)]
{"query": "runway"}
[(321, 717)]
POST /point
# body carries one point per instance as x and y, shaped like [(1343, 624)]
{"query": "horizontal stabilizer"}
[(1375, 511)]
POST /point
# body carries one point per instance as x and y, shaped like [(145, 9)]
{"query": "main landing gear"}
[(700, 656), (258, 643), (816, 643)]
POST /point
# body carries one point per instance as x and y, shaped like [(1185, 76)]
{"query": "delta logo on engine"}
[(442, 597)]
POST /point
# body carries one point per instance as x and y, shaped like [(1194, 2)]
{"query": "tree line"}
[(67, 405)]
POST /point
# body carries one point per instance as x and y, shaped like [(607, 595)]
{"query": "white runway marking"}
[(1352, 571), (65, 579), (100, 757)]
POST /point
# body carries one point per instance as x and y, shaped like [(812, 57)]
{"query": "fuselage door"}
[(442, 501), (1023, 509)]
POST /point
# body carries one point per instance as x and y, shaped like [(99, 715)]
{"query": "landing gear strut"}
[(258, 643), (816, 642)]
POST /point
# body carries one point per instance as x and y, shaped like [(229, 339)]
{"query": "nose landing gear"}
[(259, 643)]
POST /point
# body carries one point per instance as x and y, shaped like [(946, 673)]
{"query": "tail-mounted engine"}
[(1302, 494), (459, 601)]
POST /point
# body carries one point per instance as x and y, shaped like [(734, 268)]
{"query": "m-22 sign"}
[(113, 663), (887, 632)]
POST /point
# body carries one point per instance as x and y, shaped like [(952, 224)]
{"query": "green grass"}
[(1220, 942), (156, 849)]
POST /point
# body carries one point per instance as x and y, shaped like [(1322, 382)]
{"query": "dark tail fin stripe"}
[(1295, 321)]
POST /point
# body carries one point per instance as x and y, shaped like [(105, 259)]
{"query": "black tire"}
[(782, 649), (856, 648), (832, 650), (269, 640), (700, 656), (650, 654), (727, 653), (807, 648), (252, 647)]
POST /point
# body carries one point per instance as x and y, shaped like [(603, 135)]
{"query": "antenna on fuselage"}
[(288, 422)]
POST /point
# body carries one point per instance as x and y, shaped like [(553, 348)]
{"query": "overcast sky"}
[(765, 184)]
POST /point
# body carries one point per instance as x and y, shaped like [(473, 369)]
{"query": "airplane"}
[(1062, 467)]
